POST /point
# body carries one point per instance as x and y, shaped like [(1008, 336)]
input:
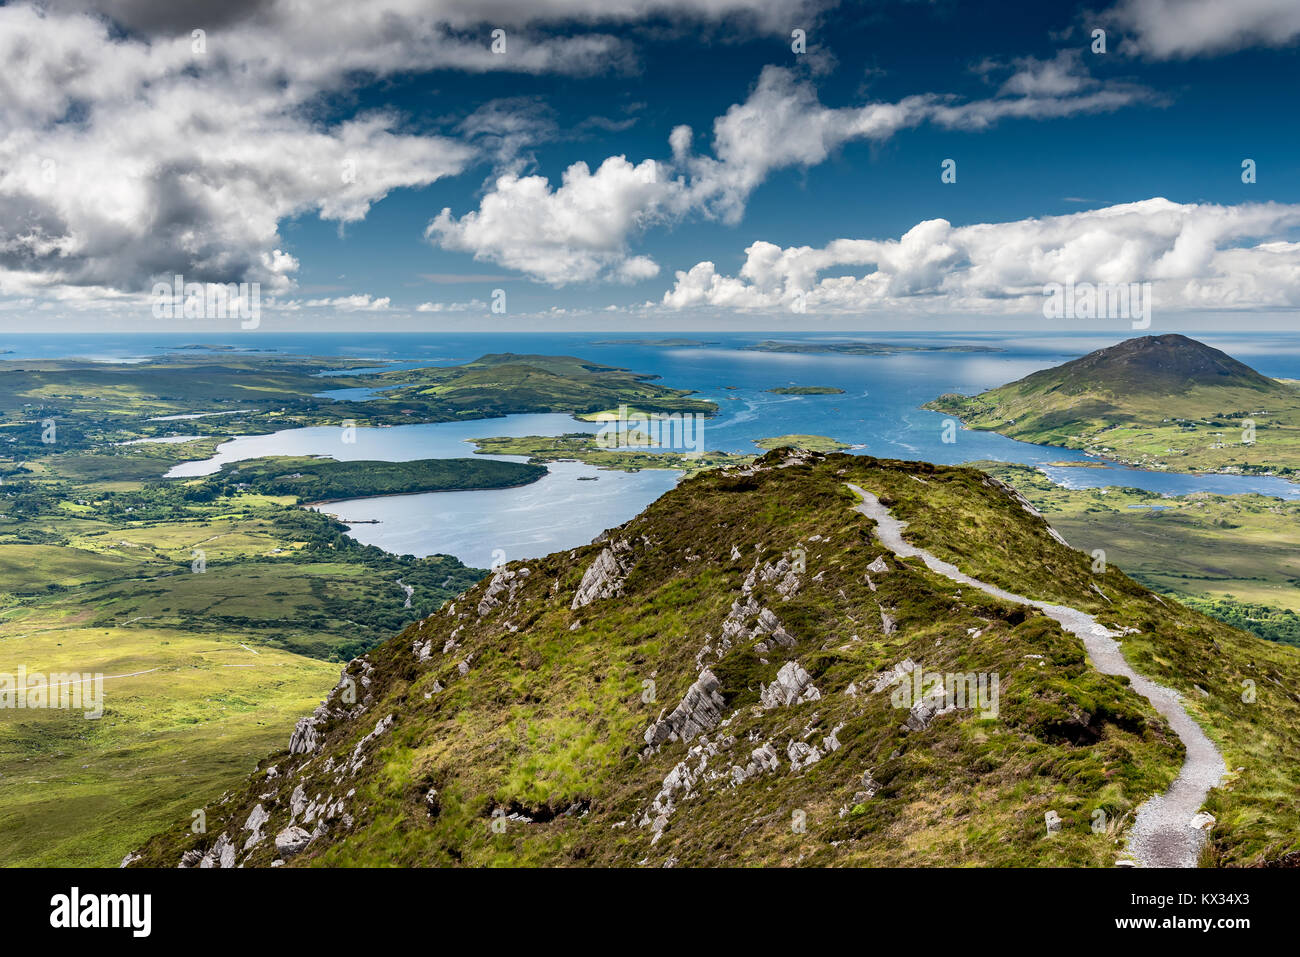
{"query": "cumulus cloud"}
[(1199, 256), (133, 148), (361, 302), (581, 230), (473, 305), (573, 233), (1177, 29)]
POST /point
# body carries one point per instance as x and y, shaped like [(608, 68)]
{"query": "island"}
[(1156, 402), (812, 443), (585, 447)]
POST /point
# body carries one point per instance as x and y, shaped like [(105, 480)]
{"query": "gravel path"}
[(1162, 835)]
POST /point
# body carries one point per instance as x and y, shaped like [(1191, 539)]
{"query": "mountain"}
[(740, 675), (1156, 401)]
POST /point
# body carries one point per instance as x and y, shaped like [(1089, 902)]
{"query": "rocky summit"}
[(760, 670)]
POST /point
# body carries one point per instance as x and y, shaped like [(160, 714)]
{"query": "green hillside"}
[(1164, 402), (709, 684)]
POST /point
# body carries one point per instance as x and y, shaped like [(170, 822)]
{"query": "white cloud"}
[(473, 305), (360, 302), (582, 230), (1198, 256), (574, 233), (130, 151), (1177, 29)]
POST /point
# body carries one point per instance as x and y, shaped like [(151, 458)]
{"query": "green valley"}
[(218, 607)]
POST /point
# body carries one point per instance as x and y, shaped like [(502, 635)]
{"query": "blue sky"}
[(802, 174)]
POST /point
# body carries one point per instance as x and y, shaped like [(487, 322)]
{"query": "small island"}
[(318, 480), (811, 443), (805, 390), (658, 343), (629, 456)]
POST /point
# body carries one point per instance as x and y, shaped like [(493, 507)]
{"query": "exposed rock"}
[(831, 742), (604, 576), (221, 855), (793, 685), (505, 581), (256, 819), (1202, 821), (699, 711), (304, 740), (869, 784), (381, 726), (737, 630), (291, 840), (306, 737), (933, 703), (878, 566), (801, 755), (130, 859), (887, 679), (191, 858)]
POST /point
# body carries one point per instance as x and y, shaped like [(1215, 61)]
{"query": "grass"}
[(78, 792), (1232, 556), (548, 719), (1176, 405), (98, 568), (583, 447), (813, 443)]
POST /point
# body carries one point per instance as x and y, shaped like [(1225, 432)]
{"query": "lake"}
[(878, 410)]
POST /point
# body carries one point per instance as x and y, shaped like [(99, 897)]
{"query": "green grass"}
[(1236, 557), (317, 480), (78, 792), (1174, 405), (813, 443), (583, 447), (98, 573), (549, 717)]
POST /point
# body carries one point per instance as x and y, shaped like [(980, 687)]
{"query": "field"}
[(82, 792), (1236, 557)]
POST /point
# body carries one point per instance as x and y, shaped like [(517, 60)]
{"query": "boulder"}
[(291, 841)]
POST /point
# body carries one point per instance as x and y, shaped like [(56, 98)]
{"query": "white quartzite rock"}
[(700, 710), (604, 576), (793, 685), (291, 841)]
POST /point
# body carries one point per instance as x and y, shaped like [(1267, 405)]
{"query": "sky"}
[(661, 164)]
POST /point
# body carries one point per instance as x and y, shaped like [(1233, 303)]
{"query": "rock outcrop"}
[(700, 710), (793, 685), (604, 576)]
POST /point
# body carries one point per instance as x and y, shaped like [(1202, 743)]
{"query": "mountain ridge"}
[(714, 682)]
